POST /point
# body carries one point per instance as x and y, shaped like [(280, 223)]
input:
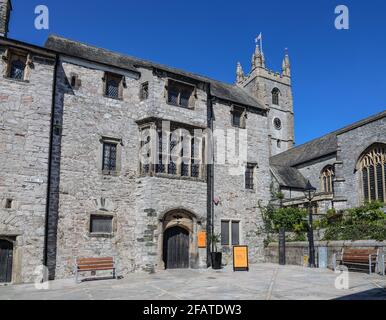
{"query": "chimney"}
[(5, 11)]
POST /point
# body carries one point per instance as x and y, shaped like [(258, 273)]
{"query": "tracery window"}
[(373, 170), (327, 179)]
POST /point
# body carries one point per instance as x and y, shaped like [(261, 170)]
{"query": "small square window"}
[(180, 94), (101, 224), (8, 204), (113, 86), (144, 92), (17, 65)]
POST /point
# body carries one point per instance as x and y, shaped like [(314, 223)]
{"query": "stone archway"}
[(177, 242)]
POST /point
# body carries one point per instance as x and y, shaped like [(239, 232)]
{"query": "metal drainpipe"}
[(210, 182), (45, 253)]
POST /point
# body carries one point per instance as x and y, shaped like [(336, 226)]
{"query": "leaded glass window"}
[(373, 169), (17, 69), (113, 86), (109, 156), (180, 94), (249, 184), (230, 232)]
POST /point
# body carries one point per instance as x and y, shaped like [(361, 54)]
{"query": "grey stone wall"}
[(296, 250), (137, 203), (351, 145), (25, 117), (5, 8), (236, 202)]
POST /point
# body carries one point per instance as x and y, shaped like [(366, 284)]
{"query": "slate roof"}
[(289, 177), (319, 147), (77, 49), (283, 165)]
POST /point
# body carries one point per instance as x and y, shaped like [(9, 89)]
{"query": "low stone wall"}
[(296, 250)]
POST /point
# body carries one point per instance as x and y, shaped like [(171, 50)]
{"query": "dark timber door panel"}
[(6, 257), (176, 248)]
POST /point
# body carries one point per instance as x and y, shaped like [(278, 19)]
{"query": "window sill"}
[(101, 235), (172, 176), (16, 80), (179, 106), (113, 98), (110, 173)]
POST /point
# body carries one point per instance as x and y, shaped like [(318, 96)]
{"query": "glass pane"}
[(17, 70), (365, 184), (173, 96), (112, 88), (101, 224), (372, 183), (109, 156), (225, 233), (184, 100), (235, 233), (236, 119), (380, 182)]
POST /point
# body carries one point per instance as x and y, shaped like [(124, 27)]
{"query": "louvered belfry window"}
[(275, 96), (109, 156), (373, 169)]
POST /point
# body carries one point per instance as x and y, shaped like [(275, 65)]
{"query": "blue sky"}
[(338, 76)]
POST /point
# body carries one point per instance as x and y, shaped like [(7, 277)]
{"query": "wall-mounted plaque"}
[(201, 237)]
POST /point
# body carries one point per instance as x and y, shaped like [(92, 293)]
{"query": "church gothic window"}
[(327, 178), (372, 167), (275, 96)]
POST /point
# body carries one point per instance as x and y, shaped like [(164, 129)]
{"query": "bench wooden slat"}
[(94, 264)]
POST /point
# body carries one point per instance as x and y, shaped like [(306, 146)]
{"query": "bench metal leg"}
[(114, 276), (370, 264)]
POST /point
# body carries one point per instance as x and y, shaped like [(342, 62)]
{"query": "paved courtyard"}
[(262, 282)]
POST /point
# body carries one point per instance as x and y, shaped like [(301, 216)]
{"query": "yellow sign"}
[(240, 258), (305, 261), (201, 236)]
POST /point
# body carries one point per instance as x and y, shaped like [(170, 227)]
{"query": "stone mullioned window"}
[(18, 64), (327, 178), (175, 153)]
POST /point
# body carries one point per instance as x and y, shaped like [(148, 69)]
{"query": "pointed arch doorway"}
[(176, 248)]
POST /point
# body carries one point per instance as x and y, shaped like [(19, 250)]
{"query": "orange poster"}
[(240, 258), (201, 239)]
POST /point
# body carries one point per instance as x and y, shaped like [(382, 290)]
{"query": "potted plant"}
[(215, 255)]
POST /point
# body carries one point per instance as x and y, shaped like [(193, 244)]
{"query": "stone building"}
[(103, 154)]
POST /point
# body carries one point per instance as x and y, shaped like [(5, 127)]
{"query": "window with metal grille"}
[(230, 232), (144, 92), (249, 170), (275, 96), (113, 85), (109, 156), (101, 224), (180, 94), (17, 68)]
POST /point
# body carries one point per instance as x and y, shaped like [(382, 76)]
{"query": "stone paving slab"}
[(262, 282)]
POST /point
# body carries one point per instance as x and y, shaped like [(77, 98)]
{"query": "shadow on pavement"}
[(373, 294)]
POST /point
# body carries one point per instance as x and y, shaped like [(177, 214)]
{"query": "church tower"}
[(273, 90), (5, 12)]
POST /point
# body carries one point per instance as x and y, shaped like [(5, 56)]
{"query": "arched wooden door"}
[(6, 257), (176, 248)]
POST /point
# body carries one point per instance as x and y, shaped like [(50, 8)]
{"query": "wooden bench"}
[(93, 265), (358, 258)]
